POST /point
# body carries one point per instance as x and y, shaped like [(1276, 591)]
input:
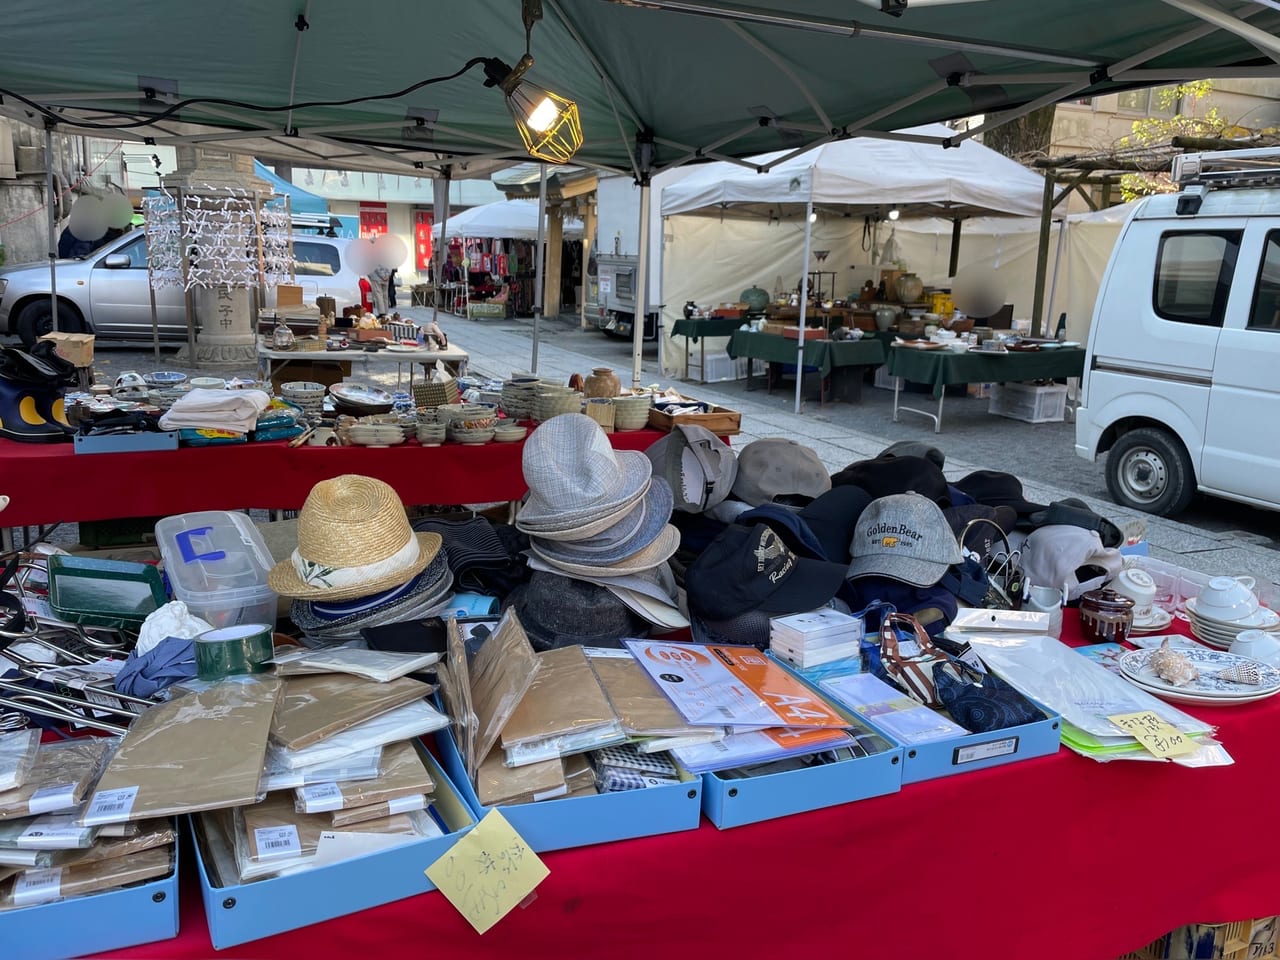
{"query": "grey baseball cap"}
[(700, 467), (905, 537), (778, 467)]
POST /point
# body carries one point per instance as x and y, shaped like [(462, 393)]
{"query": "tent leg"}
[(52, 205), (804, 298), (955, 248), (641, 292), (1042, 252), (440, 211), (540, 259)]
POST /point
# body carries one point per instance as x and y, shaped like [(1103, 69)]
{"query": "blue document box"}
[(249, 911), (975, 751), (580, 821), (95, 923)]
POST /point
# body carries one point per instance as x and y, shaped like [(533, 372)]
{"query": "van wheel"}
[(1149, 470), (36, 319)]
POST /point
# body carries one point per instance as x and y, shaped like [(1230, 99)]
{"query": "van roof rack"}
[(1219, 169)]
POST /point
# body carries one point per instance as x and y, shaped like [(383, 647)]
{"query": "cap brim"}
[(811, 585), (407, 606), (655, 611), (918, 573), (284, 579)]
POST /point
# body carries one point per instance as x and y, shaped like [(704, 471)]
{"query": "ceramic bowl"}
[(208, 383), (513, 434), (1227, 598), (165, 378), (1140, 587), (473, 437), (431, 434)]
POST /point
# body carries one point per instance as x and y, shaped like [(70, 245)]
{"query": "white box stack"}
[(812, 639), (1029, 402)]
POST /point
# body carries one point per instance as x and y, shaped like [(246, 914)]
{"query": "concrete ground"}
[(1214, 536)]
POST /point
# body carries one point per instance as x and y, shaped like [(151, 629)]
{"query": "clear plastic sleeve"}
[(382, 666), (78, 879), (401, 774), (49, 831), (60, 777), (313, 708), (403, 723), (17, 754), (358, 766)]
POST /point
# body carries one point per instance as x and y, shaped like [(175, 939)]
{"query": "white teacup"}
[(1043, 599), (1227, 598), (1140, 587), (1258, 645)]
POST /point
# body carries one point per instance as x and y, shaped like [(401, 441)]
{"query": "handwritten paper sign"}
[(1157, 736), (486, 873)]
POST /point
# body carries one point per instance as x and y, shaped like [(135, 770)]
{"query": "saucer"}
[(1158, 620)]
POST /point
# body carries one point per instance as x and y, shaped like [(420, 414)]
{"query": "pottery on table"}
[(886, 317), (1105, 616), (603, 382), (909, 288)]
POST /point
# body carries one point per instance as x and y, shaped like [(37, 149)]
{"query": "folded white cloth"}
[(235, 410)]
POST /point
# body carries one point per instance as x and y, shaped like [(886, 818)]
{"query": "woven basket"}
[(434, 393), (309, 345), (601, 411)]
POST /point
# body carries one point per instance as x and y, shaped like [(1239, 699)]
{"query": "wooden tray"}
[(721, 421)]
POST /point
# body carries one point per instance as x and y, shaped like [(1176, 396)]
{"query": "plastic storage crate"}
[(883, 380), (723, 367), (1029, 402)]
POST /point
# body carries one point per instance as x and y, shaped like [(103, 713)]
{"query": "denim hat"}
[(904, 537), (778, 467), (751, 568), (700, 467)]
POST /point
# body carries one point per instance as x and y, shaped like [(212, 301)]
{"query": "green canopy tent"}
[(658, 83)]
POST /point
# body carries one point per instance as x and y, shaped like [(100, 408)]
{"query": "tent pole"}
[(641, 289), (440, 212), (804, 297), (955, 247), (1042, 252), (1048, 330), (53, 221), (540, 259)]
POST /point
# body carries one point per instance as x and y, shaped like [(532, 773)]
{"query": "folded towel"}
[(235, 410)]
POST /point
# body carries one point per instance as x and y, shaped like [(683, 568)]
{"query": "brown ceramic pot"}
[(603, 382)]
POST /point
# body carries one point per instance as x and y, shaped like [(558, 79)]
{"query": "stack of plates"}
[(376, 434), (631, 412), (360, 400), (306, 394), (474, 414), (470, 436), (1209, 690), (431, 434), (552, 404), (1222, 633), (518, 396), (1157, 622)]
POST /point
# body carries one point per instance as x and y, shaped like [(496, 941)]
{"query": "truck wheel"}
[(36, 319), (1148, 469)]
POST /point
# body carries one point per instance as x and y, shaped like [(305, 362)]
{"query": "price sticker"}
[(487, 873), (37, 886), (273, 842), (319, 797), (1159, 737), (52, 799), (110, 806), (52, 832)]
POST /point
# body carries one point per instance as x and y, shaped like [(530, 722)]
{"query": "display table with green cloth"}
[(941, 368), (833, 359), (698, 329)]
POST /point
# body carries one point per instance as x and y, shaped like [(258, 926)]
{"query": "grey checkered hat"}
[(624, 539), (699, 466), (575, 475), (905, 537)]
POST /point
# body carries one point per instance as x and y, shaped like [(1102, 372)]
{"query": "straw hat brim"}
[(659, 551), (284, 579)]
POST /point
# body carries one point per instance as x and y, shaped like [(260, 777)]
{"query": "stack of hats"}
[(358, 563), (598, 517)]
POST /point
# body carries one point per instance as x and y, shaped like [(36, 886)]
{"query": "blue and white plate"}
[(165, 378), (1136, 666)]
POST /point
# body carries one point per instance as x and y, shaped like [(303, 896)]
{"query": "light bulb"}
[(543, 116), (813, 217), (893, 213)]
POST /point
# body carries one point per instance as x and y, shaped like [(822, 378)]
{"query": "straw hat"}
[(354, 539)]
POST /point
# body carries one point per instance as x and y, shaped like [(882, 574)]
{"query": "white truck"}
[(1181, 387)]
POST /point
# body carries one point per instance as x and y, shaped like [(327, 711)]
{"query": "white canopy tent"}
[(501, 220), (854, 178)]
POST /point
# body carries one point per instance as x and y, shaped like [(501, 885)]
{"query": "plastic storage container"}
[(1029, 402), (217, 564)]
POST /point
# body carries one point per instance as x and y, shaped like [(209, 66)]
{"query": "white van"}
[(1181, 386)]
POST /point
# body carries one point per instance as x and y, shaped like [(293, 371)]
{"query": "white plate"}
[(1135, 665), (1260, 619), (1194, 700), (1160, 619), (402, 348)]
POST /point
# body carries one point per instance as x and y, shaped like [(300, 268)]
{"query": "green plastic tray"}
[(104, 593)]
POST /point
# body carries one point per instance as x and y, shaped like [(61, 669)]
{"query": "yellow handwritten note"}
[(486, 873), (1157, 736)]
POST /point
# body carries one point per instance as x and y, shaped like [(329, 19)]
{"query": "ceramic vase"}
[(909, 288), (603, 382), (885, 317)]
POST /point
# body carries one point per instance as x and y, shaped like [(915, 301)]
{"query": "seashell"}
[(1173, 665), (1243, 673)]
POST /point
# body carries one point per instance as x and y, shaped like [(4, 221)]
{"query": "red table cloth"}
[(1056, 858), (49, 483)]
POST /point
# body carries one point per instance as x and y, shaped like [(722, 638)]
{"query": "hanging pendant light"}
[(548, 123)]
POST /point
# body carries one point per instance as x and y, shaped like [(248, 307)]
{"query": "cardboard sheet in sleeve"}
[(499, 676), (401, 773), (274, 829), (496, 783), (643, 709), (313, 708), (202, 750), (78, 879), (58, 780), (565, 699)]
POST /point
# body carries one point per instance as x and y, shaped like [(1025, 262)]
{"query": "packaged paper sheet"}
[(271, 836), (343, 819), (981, 620), (358, 766), (499, 675), (455, 692), (1083, 692), (13, 857), (643, 709), (497, 783), (578, 775), (625, 768), (49, 831), (564, 711), (17, 754), (895, 712), (380, 665), (61, 775), (759, 746), (154, 833), (315, 707), (403, 723), (57, 883), (731, 685), (119, 829), (401, 774), (199, 751)]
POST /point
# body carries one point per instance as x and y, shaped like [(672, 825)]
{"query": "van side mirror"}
[(117, 261)]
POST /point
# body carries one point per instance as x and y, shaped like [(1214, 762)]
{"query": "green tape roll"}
[(230, 651)]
